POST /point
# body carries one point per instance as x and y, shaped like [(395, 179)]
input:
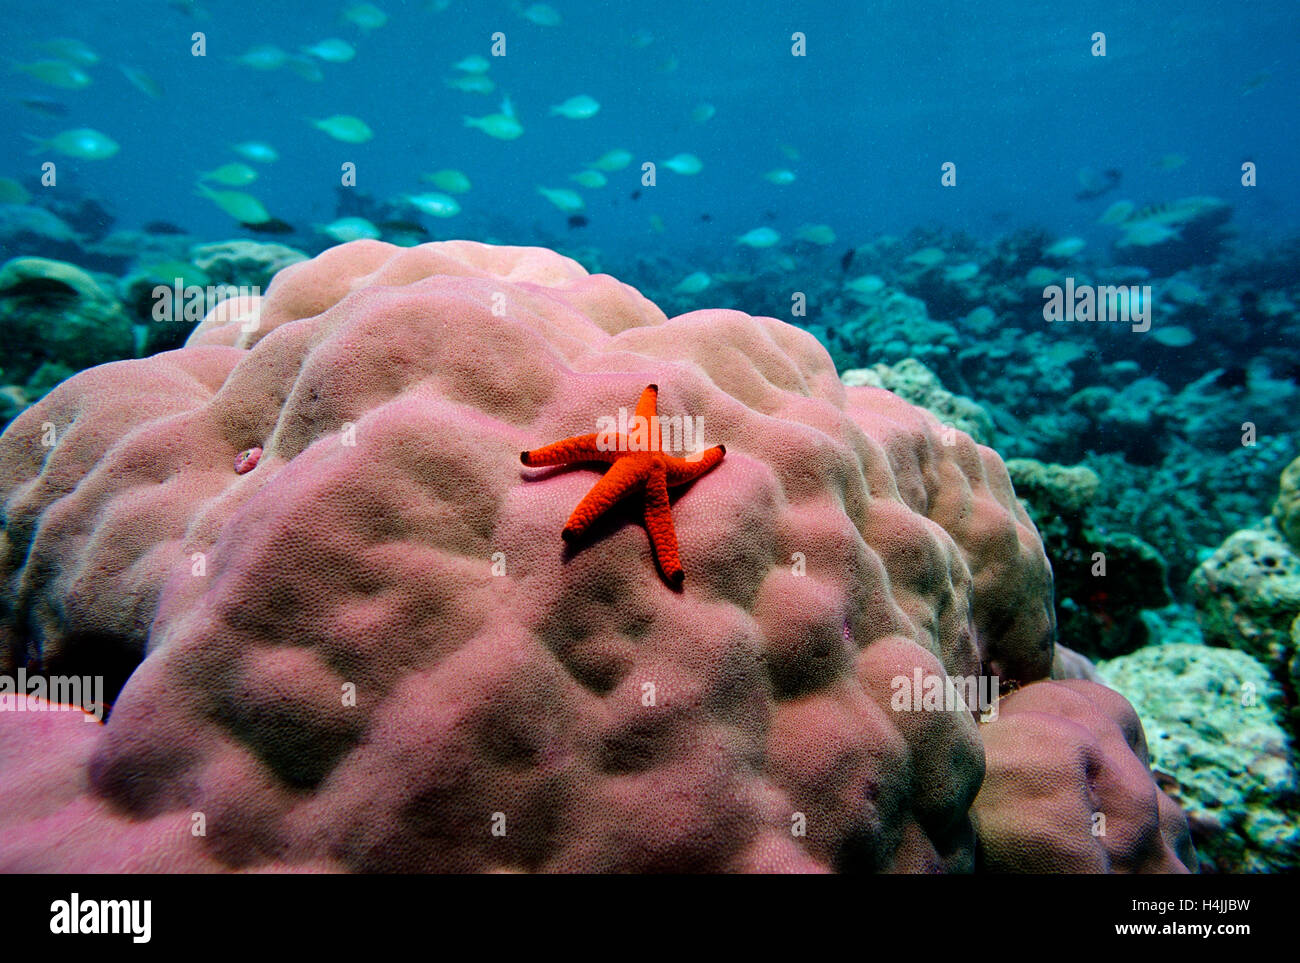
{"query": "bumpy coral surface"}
[(1069, 788), (373, 651)]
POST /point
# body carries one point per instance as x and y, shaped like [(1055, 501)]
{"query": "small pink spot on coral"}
[(246, 461)]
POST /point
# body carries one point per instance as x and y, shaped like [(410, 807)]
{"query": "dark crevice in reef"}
[(93, 654)]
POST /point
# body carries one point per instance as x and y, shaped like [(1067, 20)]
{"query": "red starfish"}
[(635, 463)]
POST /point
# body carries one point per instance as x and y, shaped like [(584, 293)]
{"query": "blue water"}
[(887, 93)]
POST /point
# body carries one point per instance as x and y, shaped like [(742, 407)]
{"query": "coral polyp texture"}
[(370, 650)]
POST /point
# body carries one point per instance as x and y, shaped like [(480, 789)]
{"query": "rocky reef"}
[(1216, 726), (1247, 591)]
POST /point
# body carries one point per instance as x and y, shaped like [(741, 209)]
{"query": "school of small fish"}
[(68, 64), (65, 64)]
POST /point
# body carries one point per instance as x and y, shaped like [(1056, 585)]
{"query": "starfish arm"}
[(623, 476), (659, 523), (647, 406), (683, 470), (566, 452)]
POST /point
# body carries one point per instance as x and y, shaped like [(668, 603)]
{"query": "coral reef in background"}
[(1104, 580), (54, 312), (1215, 723), (1247, 592), (57, 318), (387, 546), (1247, 596), (26, 227), (1184, 506), (138, 292), (1286, 507), (244, 263)]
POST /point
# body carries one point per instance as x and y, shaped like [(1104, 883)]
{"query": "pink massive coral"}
[(1069, 788), (373, 651)]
